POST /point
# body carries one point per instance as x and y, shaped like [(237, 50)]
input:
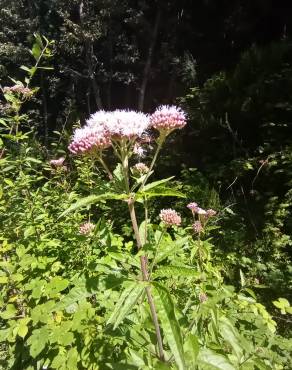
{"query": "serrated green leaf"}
[(170, 248), (92, 199), (160, 192), (127, 300), (191, 348), (38, 341), (169, 271), (76, 294), (22, 330), (231, 336), (154, 184), (9, 312), (3, 279), (169, 323), (214, 360), (56, 285)]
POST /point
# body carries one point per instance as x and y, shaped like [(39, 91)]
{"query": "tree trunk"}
[(147, 67), (89, 57)]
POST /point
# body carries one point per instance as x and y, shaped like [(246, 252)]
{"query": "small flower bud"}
[(193, 206), (170, 217), (203, 297), (211, 212), (168, 118), (57, 162), (86, 228), (141, 168), (197, 227)]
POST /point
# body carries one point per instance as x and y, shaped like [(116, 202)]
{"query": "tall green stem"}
[(159, 146), (145, 275), (143, 259)]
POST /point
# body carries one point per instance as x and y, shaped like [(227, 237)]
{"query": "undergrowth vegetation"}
[(106, 265)]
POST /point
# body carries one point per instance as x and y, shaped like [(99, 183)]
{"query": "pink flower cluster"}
[(141, 168), (203, 216), (170, 217), (198, 227), (168, 118), (121, 124), (200, 211), (104, 127), (89, 139), (57, 162), (86, 228), (18, 89)]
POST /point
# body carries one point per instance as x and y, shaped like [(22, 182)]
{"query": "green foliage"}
[(101, 299)]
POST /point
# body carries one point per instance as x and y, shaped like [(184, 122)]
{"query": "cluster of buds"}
[(89, 140), (168, 118), (198, 227), (86, 228), (195, 209), (56, 163), (203, 216), (140, 168), (18, 89), (203, 297), (170, 217)]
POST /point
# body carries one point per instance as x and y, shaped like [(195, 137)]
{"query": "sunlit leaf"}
[(169, 323)]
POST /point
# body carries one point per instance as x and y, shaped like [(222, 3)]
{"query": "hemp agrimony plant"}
[(170, 305), (126, 132)]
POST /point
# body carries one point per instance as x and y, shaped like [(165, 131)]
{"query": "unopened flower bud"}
[(86, 228), (203, 297), (211, 212), (57, 162), (141, 168), (170, 217), (193, 206), (197, 227)]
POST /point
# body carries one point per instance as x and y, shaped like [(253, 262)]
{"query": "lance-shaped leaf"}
[(169, 323), (154, 184), (126, 302), (170, 271), (92, 199), (214, 360), (160, 191)]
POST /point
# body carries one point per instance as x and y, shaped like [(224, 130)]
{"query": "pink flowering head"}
[(86, 228), (211, 212), (167, 118), (129, 124), (18, 89), (201, 211), (141, 168), (57, 162), (197, 227), (89, 140), (120, 124), (193, 207), (170, 217)]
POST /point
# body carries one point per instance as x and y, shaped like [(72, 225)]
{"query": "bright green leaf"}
[(169, 323)]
